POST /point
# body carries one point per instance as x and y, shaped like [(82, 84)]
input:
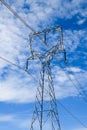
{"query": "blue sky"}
[(17, 88)]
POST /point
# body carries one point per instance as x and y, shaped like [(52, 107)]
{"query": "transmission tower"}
[(45, 115)]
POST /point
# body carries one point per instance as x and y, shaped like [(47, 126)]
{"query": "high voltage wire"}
[(74, 82), (74, 75), (21, 19), (78, 89), (4, 59), (10, 62), (72, 115), (80, 86)]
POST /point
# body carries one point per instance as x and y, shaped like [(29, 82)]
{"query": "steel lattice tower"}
[(45, 112)]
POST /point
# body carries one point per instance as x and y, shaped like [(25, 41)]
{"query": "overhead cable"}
[(74, 117), (75, 86), (22, 20), (10, 62), (80, 88)]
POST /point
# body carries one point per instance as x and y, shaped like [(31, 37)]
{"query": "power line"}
[(72, 115), (74, 76), (77, 87), (74, 85), (77, 83), (22, 20), (10, 62)]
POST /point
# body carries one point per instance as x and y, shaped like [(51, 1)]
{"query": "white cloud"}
[(74, 69), (81, 21), (69, 9), (16, 120), (6, 118), (73, 39), (22, 121), (17, 88)]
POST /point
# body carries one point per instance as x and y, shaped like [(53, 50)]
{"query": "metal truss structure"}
[(45, 115)]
